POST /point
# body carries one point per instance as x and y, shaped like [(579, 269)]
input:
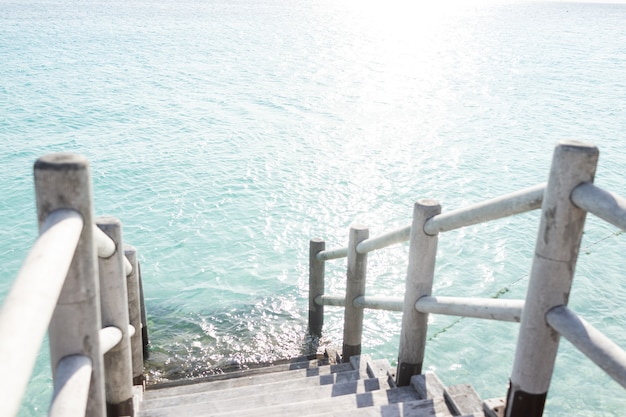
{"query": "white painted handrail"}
[(481, 308), (382, 241), (332, 254), (364, 301), (105, 245), (131, 330), (27, 309), (106, 248), (507, 205), (330, 300), (57, 290), (590, 341), (379, 302), (71, 387), (565, 201), (110, 336), (608, 206)]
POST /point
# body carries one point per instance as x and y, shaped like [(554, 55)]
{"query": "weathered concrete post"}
[(64, 181), (114, 300), (145, 340), (355, 287), (419, 282), (316, 286), (556, 252), (134, 315)]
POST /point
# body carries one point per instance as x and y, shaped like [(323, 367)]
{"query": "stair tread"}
[(269, 395), (464, 400), (245, 390), (363, 387), (431, 407), (428, 385), (245, 379), (344, 402)]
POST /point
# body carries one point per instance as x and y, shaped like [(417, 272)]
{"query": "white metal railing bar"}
[(590, 341), (110, 336), (28, 308), (105, 245), (330, 300), (507, 205), (482, 308), (364, 301), (379, 302), (571, 175), (606, 205), (106, 248), (327, 255), (382, 241), (71, 387), (131, 330)]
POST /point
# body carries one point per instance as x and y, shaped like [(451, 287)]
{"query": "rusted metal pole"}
[(355, 287), (64, 181), (556, 252), (419, 282)]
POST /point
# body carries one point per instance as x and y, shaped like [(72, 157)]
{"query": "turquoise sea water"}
[(226, 134)]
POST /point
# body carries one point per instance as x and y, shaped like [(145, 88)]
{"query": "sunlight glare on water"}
[(227, 134)]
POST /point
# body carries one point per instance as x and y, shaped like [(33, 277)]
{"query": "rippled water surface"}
[(226, 134)]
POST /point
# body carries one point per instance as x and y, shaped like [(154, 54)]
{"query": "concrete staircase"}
[(313, 388)]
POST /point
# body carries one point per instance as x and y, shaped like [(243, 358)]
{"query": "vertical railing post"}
[(145, 340), (134, 315), (419, 282), (64, 181), (556, 252), (114, 300), (316, 286), (355, 287)]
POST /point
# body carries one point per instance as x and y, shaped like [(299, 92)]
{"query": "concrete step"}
[(301, 408), (360, 388), (267, 395), (155, 401), (328, 374), (241, 379), (433, 407), (464, 400)]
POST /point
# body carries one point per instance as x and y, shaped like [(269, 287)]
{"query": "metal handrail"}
[(71, 387), (590, 341), (28, 308), (608, 206), (106, 248), (561, 227), (57, 289), (514, 203)]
